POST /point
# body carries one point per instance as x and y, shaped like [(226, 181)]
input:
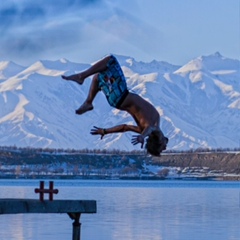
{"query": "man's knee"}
[(95, 77), (107, 58)]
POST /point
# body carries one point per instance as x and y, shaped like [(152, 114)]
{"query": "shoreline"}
[(122, 178)]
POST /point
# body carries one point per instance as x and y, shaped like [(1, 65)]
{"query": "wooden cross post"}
[(49, 191)]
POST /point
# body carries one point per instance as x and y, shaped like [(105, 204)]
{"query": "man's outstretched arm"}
[(116, 129)]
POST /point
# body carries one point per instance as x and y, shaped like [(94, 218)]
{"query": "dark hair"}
[(156, 143)]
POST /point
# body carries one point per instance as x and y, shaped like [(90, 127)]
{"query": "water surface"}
[(157, 210)]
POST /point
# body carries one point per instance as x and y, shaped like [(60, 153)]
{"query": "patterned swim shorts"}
[(113, 83)]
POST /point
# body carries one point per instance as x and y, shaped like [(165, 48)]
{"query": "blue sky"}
[(175, 31)]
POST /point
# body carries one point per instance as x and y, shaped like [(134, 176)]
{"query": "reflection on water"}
[(156, 210)]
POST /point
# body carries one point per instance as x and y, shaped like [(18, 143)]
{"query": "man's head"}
[(156, 143)]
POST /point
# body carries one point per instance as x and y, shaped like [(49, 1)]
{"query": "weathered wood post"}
[(76, 233), (50, 191)]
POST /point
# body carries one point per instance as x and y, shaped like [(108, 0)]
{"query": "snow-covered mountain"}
[(199, 104)]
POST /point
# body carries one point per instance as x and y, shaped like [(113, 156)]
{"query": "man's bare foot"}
[(75, 77), (84, 108)]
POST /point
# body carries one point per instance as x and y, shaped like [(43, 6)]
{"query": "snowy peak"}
[(217, 62), (193, 65), (213, 63), (42, 69), (143, 68), (9, 69)]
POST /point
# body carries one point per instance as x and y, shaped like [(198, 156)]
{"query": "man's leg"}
[(93, 90), (99, 66)]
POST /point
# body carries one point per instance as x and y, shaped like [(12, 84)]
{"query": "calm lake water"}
[(138, 210)]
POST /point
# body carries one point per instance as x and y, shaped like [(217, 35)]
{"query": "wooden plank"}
[(13, 206)]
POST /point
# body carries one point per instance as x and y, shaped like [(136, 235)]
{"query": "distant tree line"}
[(107, 151), (69, 151)]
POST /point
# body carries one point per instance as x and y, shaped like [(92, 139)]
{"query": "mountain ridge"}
[(199, 104)]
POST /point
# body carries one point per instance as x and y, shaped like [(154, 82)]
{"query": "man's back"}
[(141, 110)]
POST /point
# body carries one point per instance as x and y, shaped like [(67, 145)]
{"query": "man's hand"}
[(138, 139), (96, 130)]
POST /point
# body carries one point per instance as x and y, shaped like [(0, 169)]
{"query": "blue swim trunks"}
[(113, 83)]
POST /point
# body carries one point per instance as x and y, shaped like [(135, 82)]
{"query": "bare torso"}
[(142, 111)]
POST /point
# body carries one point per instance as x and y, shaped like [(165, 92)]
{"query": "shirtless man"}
[(109, 78)]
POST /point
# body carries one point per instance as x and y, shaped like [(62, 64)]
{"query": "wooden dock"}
[(74, 208)]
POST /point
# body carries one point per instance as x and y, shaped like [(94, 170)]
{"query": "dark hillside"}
[(227, 162)]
